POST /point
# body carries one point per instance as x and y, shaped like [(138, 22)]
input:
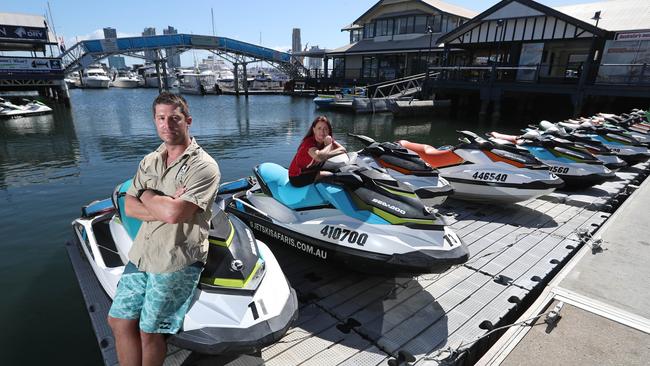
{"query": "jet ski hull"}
[(472, 190), (415, 262)]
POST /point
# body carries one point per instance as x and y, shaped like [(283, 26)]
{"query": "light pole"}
[(499, 55), (426, 66), (596, 17)]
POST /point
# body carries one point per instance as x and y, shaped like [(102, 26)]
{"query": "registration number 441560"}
[(340, 234)]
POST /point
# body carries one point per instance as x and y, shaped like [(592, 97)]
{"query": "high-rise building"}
[(173, 57), (296, 45), (149, 55), (114, 62), (110, 33)]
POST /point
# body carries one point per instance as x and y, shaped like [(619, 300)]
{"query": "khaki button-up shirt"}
[(160, 247)]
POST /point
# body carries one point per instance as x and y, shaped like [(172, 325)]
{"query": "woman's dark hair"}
[(310, 132), (172, 99)]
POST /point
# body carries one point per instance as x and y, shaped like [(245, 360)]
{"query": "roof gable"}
[(514, 10), (517, 20), (425, 5)]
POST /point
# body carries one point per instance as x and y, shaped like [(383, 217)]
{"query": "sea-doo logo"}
[(236, 265), (396, 209)]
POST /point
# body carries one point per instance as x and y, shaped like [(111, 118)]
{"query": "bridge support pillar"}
[(236, 81), (157, 62), (245, 81), (165, 82)]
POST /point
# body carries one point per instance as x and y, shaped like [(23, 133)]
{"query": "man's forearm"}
[(164, 208), (135, 208)]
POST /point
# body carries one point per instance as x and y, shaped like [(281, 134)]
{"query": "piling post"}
[(245, 81), (165, 79), (157, 62), (236, 78)]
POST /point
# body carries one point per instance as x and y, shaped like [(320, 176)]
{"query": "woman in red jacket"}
[(316, 147)]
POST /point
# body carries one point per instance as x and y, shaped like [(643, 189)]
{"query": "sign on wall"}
[(30, 65), (21, 33), (633, 36)]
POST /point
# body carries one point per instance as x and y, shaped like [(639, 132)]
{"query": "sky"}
[(270, 21)]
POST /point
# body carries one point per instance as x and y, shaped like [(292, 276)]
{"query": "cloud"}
[(96, 34), (281, 48)]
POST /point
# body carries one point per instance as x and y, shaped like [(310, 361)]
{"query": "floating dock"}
[(348, 318)]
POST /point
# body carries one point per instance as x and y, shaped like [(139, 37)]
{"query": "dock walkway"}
[(348, 318), (603, 296)]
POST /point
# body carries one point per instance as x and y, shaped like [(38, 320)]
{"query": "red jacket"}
[(302, 160)]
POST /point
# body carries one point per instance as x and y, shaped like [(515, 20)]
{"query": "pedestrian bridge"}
[(88, 52)]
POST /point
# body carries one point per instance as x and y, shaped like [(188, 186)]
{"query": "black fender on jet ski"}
[(405, 166)]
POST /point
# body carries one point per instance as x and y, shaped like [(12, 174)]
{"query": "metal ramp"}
[(400, 88), (87, 52)]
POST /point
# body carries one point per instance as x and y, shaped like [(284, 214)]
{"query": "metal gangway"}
[(85, 53), (401, 88)]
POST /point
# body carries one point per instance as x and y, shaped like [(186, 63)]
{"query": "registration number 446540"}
[(340, 234), (490, 176)]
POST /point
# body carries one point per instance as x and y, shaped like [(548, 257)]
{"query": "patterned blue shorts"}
[(159, 300)]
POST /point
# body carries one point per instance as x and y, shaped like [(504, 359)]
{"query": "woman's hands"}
[(328, 140)]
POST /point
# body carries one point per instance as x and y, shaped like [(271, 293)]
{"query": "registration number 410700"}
[(340, 234)]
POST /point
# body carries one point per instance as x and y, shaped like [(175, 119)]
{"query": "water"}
[(52, 165)]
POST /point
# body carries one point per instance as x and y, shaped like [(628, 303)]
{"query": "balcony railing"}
[(618, 74), (624, 74)]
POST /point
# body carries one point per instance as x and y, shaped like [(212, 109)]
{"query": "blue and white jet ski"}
[(624, 145), (578, 169), (243, 301), (360, 217)]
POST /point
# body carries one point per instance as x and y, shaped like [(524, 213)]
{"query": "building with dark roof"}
[(396, 38)]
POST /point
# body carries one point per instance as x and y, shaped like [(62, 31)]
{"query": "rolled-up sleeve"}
[(139, 180)]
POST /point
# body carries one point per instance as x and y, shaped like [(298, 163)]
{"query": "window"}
[(369, 30), (420, 24), (435, 21), (384, 27), (369, 67), (338, 67), (355, 35), (404, 25)]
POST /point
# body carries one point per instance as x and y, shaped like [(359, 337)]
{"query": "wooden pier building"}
[(29, 60), (523, 49)]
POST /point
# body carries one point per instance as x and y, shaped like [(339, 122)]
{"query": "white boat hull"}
[(96, 83), (125, 83)]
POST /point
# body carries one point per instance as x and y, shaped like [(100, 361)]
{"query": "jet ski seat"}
[(436, 158), (274, 180), (132, 225)]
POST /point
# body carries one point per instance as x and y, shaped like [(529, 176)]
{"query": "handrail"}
[(400, 87)]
